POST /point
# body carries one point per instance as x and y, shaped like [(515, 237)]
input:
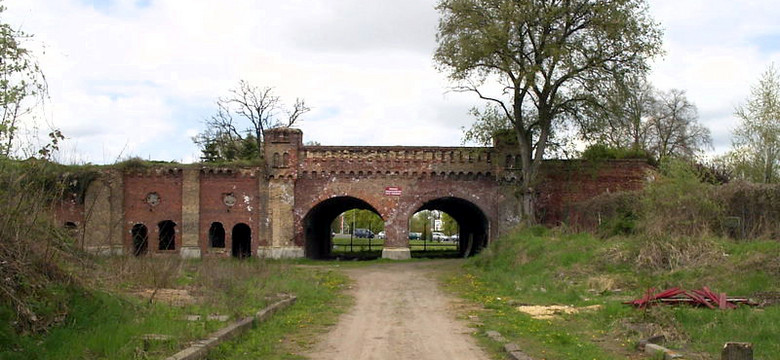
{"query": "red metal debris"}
[(701, 297)]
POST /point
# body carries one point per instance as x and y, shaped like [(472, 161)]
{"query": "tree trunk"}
[(528, 207)]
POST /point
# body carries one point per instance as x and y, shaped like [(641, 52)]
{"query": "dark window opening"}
[(167, 230), (140, 235), (242, 241), (217, 235), (70, 225)]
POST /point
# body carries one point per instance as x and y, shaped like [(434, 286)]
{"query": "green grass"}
[(320, 301), (543, 267), (110, 324), (100, 326)]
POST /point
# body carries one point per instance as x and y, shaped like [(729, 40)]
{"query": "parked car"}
[(363, 233), (381, 235), (454, 237), (439, 236), (414, 235)]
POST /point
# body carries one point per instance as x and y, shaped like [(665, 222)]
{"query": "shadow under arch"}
[(316, 223), (473, 224)]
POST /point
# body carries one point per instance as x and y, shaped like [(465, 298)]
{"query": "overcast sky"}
[(138, 77)]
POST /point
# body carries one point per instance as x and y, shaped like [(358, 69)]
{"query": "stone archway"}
[(316, 223), (474, 226)]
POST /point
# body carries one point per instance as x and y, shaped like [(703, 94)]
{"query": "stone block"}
[(737, 351), (396, 253)]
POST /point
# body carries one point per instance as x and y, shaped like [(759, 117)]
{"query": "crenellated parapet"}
[(396, 159), (285, 204)]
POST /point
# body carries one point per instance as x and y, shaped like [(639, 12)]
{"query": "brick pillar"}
[(281, 203), (104, 215), (397, 232), (190, 214)]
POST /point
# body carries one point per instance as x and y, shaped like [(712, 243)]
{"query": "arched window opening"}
[(276, 160), (140, 237), (242, 241), (72, 228), (217, 235), (286, 160), (167, 230)]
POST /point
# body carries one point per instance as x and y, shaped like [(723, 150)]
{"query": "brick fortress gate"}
[(286, 209)]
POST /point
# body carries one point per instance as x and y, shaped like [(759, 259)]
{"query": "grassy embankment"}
[(542, 267), (110, 322)]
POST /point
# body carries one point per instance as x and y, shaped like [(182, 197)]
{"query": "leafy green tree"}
[(541, 59), (363, 219), (450, 226), (240, 121), (22, 87), (756, 143)]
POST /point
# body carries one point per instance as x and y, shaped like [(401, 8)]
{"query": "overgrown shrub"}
[(674, 253), (608, 214), (32, 248), (599, 152), (755, 208), (679, 203)]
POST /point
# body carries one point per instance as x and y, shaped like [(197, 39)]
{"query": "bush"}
[(679, 203), (600, 152), (608, 214), (755, 209), (32, 249)]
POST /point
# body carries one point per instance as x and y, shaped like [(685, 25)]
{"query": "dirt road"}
[(399, 313)]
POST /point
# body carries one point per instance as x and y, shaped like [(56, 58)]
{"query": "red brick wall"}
[(215, 184), (68, 210), (563, 183), (137, 185)]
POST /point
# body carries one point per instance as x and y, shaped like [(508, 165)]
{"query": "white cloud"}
[(139, 79)]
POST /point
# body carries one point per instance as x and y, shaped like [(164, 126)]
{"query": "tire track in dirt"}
[(399, 313)]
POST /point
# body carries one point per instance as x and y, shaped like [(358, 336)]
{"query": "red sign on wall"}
[(393, 191)]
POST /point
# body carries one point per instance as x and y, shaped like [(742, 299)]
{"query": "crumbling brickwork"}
[(285, 209)]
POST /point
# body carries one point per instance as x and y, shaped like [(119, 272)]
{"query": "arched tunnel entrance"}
[(473, 225), (317, 224)]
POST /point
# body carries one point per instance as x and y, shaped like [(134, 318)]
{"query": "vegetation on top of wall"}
[(601, 152)]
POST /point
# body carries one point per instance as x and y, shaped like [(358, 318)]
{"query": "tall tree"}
[(546, 56), (756, 141), (632, 115), (618, 117), (674, 130), (240, 121), (22, 85)]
